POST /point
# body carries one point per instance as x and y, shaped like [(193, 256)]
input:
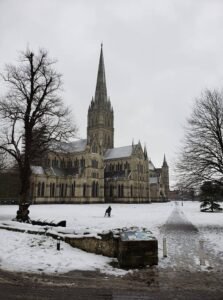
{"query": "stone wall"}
[(106, 246)]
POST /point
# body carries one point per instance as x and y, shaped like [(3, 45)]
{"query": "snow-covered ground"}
[(33, 253), (210, 225)]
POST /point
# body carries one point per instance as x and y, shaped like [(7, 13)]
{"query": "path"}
[(183, 244)]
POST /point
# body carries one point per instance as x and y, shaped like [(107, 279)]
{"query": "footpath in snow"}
[(184, 248)]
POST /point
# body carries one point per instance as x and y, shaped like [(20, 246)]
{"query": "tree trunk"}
[(24, 196)]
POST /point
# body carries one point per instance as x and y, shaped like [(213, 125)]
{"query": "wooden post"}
[(201, 253), (164, 248)]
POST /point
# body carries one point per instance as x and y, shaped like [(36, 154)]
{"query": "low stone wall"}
[(130, 254), (106, 246)]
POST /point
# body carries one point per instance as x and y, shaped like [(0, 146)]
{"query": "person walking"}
[(108, 211)]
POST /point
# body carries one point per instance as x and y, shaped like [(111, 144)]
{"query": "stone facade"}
[(92, 170), (159, 182)]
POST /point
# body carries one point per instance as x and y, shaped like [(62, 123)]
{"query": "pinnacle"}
[(101, 89)]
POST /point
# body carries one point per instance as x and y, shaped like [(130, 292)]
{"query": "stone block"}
[(137, 249)]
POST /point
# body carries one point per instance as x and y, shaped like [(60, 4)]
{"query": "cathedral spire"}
[(164, 161), (101, 90)]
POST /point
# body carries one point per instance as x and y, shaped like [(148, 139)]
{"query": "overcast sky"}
[(159, 56)]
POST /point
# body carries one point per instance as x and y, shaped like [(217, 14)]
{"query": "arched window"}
[(53, 189), (93, 189), (122, 190), (61, 190), (111, 191), (62, 163), (73, 189), (82, 162), (42, 189), (96, 189), (39, 189), (76, 163), (84, 189), (131, 191), (65, 194)]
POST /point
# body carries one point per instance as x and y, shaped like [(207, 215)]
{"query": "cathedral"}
[(92, 170)]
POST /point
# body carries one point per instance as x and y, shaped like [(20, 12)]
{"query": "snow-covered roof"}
[(76, 146), (37, 170), (120, 152), (153, 180), (151, 166)]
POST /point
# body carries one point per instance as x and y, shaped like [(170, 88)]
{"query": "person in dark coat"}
[(108, 211)]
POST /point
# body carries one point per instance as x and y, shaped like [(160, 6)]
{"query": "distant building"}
[(159, 182), (92, 170)]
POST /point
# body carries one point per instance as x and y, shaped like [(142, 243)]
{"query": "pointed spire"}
[(101, 89), (145, 152), (164, 161)]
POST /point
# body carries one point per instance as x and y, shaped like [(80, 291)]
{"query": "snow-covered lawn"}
[(210, 224), (33, 253)]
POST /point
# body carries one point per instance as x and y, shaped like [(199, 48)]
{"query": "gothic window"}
[(73, 189), (76, 164), (53, 189), (121, 190), (54, 162), (84, 189), (38, 189), (131, 191), (61, 190), (94, 148), (69, 164), (62, 163), (96, 189), (111, 191), (42, 189), (82, 162), (65, 194), (93, 189), (126, 166), (94, 163)]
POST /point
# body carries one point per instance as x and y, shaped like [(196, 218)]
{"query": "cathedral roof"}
[(151, 166), (76, 146), (37, 170), (120, 152)]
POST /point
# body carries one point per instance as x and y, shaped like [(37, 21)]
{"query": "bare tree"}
[(2, 161), (31, 109), (201, 157)]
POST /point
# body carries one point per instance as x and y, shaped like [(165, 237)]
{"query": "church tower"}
[(100, 124), (165, 176)]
